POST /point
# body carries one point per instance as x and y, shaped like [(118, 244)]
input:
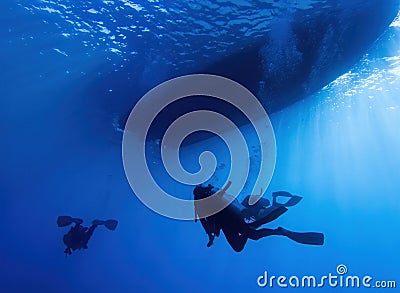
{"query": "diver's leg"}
[(236, 241), (261, 203), (89, 233), (254, 234), (270, 214), (310, 238), (237, 235), (77, 221)]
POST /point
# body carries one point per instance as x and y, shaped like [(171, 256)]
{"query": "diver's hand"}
[(210, 240)]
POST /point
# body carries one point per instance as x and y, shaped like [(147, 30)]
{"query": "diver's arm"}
[(209, 226), (222, 191), (196, 214)]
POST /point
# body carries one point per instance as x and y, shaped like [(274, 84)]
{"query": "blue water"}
[(71, 70)]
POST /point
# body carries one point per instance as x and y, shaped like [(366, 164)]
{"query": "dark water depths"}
[(73, 70)]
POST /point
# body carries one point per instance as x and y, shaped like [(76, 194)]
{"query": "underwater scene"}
[(200, 146)]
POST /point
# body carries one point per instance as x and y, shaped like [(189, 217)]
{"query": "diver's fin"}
[(109, 224), (276, 213), (281, 193), (254, 200), (63, 221), (310, 238), (293, 199)]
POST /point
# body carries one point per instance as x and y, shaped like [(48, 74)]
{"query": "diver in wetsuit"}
[(240, 221), (78, 236)]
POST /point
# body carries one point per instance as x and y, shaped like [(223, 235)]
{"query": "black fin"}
[(310, 238), (111, 224), (63, 221)]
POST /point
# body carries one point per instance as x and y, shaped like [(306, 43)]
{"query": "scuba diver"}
[(78, 236), (240, 221)]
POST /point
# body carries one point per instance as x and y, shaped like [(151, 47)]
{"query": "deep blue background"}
[(66, 83)]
